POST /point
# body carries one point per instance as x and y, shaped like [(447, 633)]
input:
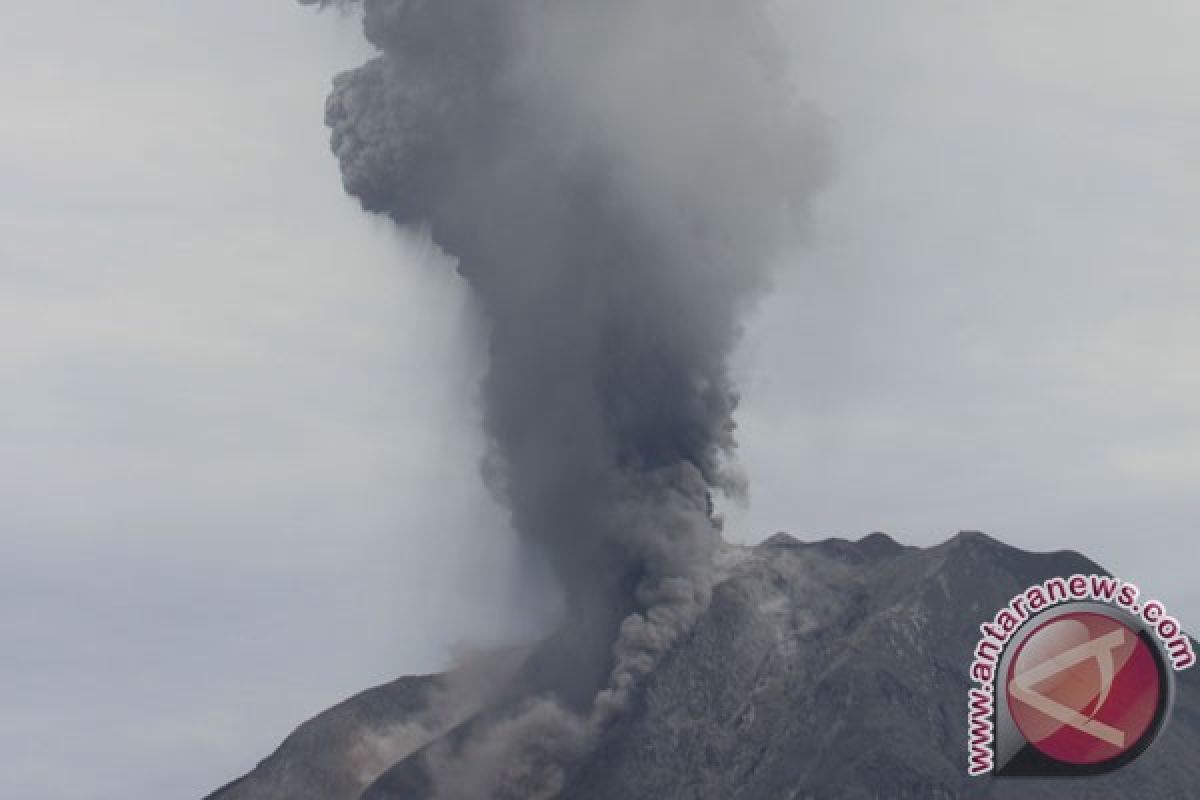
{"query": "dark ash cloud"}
[(612, 179)]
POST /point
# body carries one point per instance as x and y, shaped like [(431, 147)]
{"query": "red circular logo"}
[(1084, 688)]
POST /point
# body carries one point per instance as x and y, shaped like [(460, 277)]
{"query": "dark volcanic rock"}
[(839, 670), (827, 670)]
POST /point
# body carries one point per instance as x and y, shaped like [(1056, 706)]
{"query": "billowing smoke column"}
[(613, 177)]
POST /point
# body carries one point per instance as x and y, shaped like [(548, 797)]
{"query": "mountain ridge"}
[(824, 669)]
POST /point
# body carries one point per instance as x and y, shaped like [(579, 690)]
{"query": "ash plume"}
[(613, 178)]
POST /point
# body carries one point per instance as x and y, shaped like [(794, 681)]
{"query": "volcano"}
[(824, 669)]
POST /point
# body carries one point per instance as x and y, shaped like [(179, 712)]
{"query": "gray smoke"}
[(613, 177)]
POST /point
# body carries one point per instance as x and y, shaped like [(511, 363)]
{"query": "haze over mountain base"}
[(830, 669)]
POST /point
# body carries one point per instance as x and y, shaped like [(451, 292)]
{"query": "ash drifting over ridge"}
[(613, 178), (820, 669)]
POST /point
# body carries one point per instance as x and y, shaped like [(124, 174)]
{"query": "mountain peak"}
[(829, 669)]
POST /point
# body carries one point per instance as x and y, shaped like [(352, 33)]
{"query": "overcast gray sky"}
[(237, 427)]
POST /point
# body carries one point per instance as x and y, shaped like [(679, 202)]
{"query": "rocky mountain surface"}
[(821, 670)]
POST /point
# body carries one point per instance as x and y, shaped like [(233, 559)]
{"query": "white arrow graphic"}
[(1021, 686)]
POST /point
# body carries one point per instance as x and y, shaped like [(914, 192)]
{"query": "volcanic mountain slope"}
[(341, 751), (832, 669)]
